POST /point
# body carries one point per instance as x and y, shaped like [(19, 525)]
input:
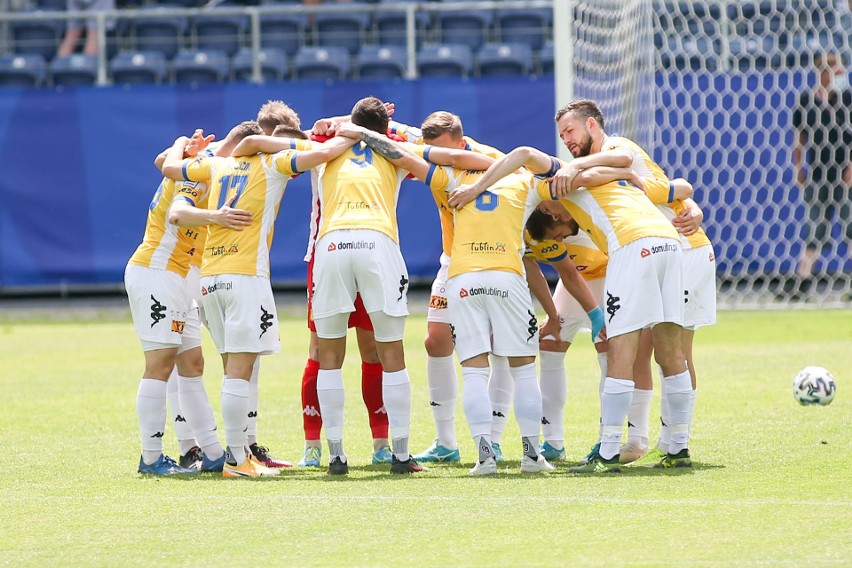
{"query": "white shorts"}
[(193, 280), (699, 284), (162, 309), (572, 315), (359, 260), (438, 311), (644, 285), (241, 314), (491, 311)]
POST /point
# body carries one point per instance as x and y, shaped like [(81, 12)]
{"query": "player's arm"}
[(541, 291), (454, 157), (533, 159), (410, 133), (392, 151), (197, 142), (689, 220), (257, 143), (184, 213), (615, 158), (577, 287), (321, 153), (599, 175), (329, 126), (174, 163)]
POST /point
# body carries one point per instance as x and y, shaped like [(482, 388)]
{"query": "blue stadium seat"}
[(283, 31), (321, 63), (51, 4), (528, 26), (391, 25), (159, 32), (135, 67), (502, 59), (22, 70), (218, 32), (346, 30), (754, 52), (194, 66), (465, 27), (443, 60), (73, 70), (381, 62), (39, 37), (273, 64), (545, 58)]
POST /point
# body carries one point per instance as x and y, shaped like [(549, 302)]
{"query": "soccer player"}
[(158, 288), (489, 302), (237, 296), (644, 281)]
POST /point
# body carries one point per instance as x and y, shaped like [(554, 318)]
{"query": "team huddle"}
[(635, 267)]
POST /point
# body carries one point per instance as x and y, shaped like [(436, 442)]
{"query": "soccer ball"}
[(814, 385)]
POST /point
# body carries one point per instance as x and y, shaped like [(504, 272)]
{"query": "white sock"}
[(151, 411), (602, 363), (183, 432), (638, 416), (692, 396), (615, 402), (475, 401), (443, 394), (254, 393), (199, 415), (665, 432), (554, 395), (678, 389), (331, 396), (396, 392), (501, 391), (527, 400), (235, 395)]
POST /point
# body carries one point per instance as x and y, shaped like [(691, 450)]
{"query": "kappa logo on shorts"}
[(544, 421), (177, 326), (157, 311), (438, 303), (533, 325), (403, 282), (612, 304), (453, 333), (265, 324)]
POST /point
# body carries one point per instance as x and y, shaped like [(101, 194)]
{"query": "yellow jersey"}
[(359, 190), (671, 208), (489, 231), (166, 246), (258, 182), (589, 260)]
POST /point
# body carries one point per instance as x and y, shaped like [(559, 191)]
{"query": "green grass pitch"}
[(772, 484)]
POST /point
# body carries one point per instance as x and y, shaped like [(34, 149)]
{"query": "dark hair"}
[(283, 131), (245, 129), (371, 113), (539, 223), (583, 109)]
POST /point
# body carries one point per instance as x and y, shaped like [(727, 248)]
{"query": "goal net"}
[(711, 90)]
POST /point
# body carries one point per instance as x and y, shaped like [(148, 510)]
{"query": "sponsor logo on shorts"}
[(177, 326), (545, 421), (686, 296), (712, 257), (482, 291), (403, 282), (438, 303), (222, 250), (533, 325), (352, 245), (656, 249), (265, 322), (157, 311), (453, 333), (497, 414), (485, 247), (225, 286), (612, 304)]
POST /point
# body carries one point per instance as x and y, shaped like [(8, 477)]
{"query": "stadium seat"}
[(321, 63), (344, 29), (22, 70), (445, 61), (391, 25), (273, 64), (134, 67), (689, 53), (754, 52), (527, 26), (51, 4), (159, 32), (283, 31), (502, 59), (218, 32), (545, 58), (73, 70), (37, 37), (381, 62), (465, 27), (194, 66)]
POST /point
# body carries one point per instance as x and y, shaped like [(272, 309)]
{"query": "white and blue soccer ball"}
[(814, 385)]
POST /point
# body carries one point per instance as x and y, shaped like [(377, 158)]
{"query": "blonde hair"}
[(274, 113), (442, 122)]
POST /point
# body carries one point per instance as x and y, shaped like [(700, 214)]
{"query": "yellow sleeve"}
[(438, 179), (283, 161), (548, 251), (197, 169), (192, 191)]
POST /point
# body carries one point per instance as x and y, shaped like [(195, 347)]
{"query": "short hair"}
[(244, 129), (274, 113), (372, 114), (442, 122), (539, 223), (283, 131), (583, 109)]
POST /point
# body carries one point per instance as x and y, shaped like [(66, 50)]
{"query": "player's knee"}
[(437, 345)]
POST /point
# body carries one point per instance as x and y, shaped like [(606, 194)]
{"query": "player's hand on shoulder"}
[(463, 194), (562, 179), (349, 130), (324, 127), (688, 221)]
